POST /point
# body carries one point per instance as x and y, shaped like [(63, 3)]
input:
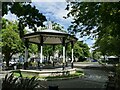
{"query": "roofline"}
[(48, 43), (40, 33), (49, 33)]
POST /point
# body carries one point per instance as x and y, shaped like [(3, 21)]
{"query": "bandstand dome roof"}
[(49, 36)]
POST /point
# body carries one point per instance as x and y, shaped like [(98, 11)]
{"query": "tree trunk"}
[(49, 58), (7, 62), (46, 58), (104, 57), (7, 58)]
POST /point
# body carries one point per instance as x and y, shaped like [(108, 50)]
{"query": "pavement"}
[(90, 64), (93, 79)]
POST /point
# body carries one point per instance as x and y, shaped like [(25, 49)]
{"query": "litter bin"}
[(54, 87)]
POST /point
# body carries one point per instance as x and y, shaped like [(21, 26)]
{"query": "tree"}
[(96, 55), (81, 50), (11, 42), (33, 48), (27, 15), (58, 27), (87, 16), (48, 51), (97, 20), (107, 44)]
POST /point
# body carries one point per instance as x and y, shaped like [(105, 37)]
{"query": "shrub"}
[(12, 83)]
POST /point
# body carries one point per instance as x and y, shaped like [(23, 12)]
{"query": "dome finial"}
[(49, 24)]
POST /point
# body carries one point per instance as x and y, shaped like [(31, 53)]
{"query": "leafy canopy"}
[(97, 20), (80, 50), (27, 15), (11, 42)]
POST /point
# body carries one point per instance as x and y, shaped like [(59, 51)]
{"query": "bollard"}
[(72, 65), (15, 67)]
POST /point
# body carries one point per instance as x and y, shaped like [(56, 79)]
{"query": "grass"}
[(30, 75), (23, 75)]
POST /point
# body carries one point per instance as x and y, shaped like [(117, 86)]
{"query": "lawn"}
[(30, 75)]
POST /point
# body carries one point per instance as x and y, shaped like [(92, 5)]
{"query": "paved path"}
[(93, 79), (90, 64)]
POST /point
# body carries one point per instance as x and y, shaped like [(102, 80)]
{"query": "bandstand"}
[(49, 37)]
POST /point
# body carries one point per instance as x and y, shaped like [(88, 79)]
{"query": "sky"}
[(54, 11)]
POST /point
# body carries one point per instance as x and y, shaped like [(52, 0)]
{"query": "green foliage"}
[(96, 55), (60, 48), (87, 16), (48, 50), (58, 27), (27, 15), (33, 48), (80, 50), (11, 42), (97, 20), (108, 45), (10, 82)]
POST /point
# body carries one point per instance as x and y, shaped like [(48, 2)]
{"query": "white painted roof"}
[(52, 31)]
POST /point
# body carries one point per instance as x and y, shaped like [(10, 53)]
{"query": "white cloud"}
[(48, 0), (54, 11), (10, 16)]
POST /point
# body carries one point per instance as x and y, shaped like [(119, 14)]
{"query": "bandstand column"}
[(41, 49), (66, 55), (72, 55), (63, 53), (38, 55), (53, 55), (26, 54)]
